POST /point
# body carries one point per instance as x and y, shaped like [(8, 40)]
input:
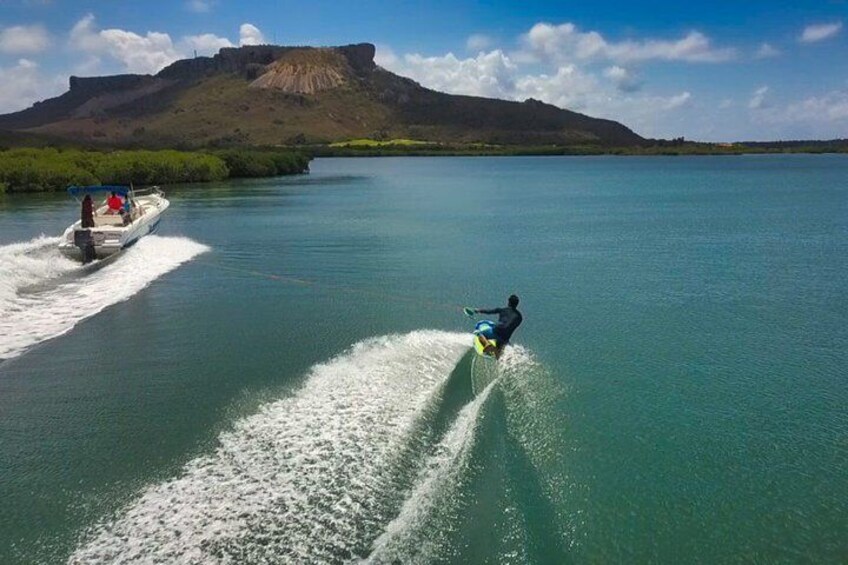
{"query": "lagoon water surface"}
[(282, 373)]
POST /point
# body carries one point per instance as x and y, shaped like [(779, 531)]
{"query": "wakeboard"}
[(485, 351), (484, 364)]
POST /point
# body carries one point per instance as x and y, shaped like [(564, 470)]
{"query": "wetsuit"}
[(508, 321)]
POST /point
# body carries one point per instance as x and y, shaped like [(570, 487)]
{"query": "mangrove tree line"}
[(51, 169)]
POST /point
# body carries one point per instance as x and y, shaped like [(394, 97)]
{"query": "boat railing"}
[(147, 191)]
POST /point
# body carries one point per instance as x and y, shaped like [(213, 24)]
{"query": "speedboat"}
[(107, 231)]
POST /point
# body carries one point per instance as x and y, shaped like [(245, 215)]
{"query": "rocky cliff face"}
[(305, 72), (245, 60), (273, 94)]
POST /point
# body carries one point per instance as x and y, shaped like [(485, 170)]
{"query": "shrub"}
[(263, 163)]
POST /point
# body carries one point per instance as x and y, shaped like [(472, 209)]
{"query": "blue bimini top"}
[(77, 190)]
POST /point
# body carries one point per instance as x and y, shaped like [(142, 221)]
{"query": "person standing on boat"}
[(87, 212)]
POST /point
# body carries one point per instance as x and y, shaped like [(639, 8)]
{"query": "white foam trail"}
[(402, 540), (303, 480), (28, 263), (437, 491), (28, 318)]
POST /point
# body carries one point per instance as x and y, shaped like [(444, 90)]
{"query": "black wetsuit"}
[(508, 321)]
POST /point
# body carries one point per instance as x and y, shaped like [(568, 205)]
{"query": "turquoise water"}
[(283, 373)]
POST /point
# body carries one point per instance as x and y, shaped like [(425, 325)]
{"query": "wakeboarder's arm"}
[(491, 311)]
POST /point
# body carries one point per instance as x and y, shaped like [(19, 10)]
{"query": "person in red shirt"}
[(115, 204)]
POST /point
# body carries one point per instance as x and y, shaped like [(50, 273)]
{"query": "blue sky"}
[(704, 70)]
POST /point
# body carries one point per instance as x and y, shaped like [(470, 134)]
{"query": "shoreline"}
[(29, 170), (379, 153), (388, 149)]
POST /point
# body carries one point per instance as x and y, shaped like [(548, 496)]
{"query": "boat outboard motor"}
[(83, 240)]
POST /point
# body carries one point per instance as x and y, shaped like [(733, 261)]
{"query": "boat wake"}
[(44, 295), (353, 466)]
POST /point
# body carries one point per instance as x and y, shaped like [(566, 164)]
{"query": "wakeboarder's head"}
[(513, 301)]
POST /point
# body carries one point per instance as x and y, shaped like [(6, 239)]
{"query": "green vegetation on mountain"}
[(50, 169)]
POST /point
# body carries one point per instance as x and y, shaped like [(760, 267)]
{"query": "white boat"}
[(107, 232)]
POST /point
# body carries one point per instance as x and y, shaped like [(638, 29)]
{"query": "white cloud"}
[(385, 57), (568, 88), (815, 117), (478, 42), (758, 99), (677, 101), (766, 51), (487, 74), (205, 44), (566, 42), (725, 104), (820, 32), (199, 6), (249, 34), (24, 39), (142, 53), (84, 35), (623, 79), (23, 83), (139, 54), (27, 64), (830, 108)]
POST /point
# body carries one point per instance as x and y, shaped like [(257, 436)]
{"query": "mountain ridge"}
[(273, 95)]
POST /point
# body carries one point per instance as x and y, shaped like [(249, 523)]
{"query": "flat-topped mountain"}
[(269, 95)]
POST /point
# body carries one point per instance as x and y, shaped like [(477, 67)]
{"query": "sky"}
[(708, 71)]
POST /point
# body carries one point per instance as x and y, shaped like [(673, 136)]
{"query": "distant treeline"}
[(658, 147), (801, 145), (50, 169), (483, 149)]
